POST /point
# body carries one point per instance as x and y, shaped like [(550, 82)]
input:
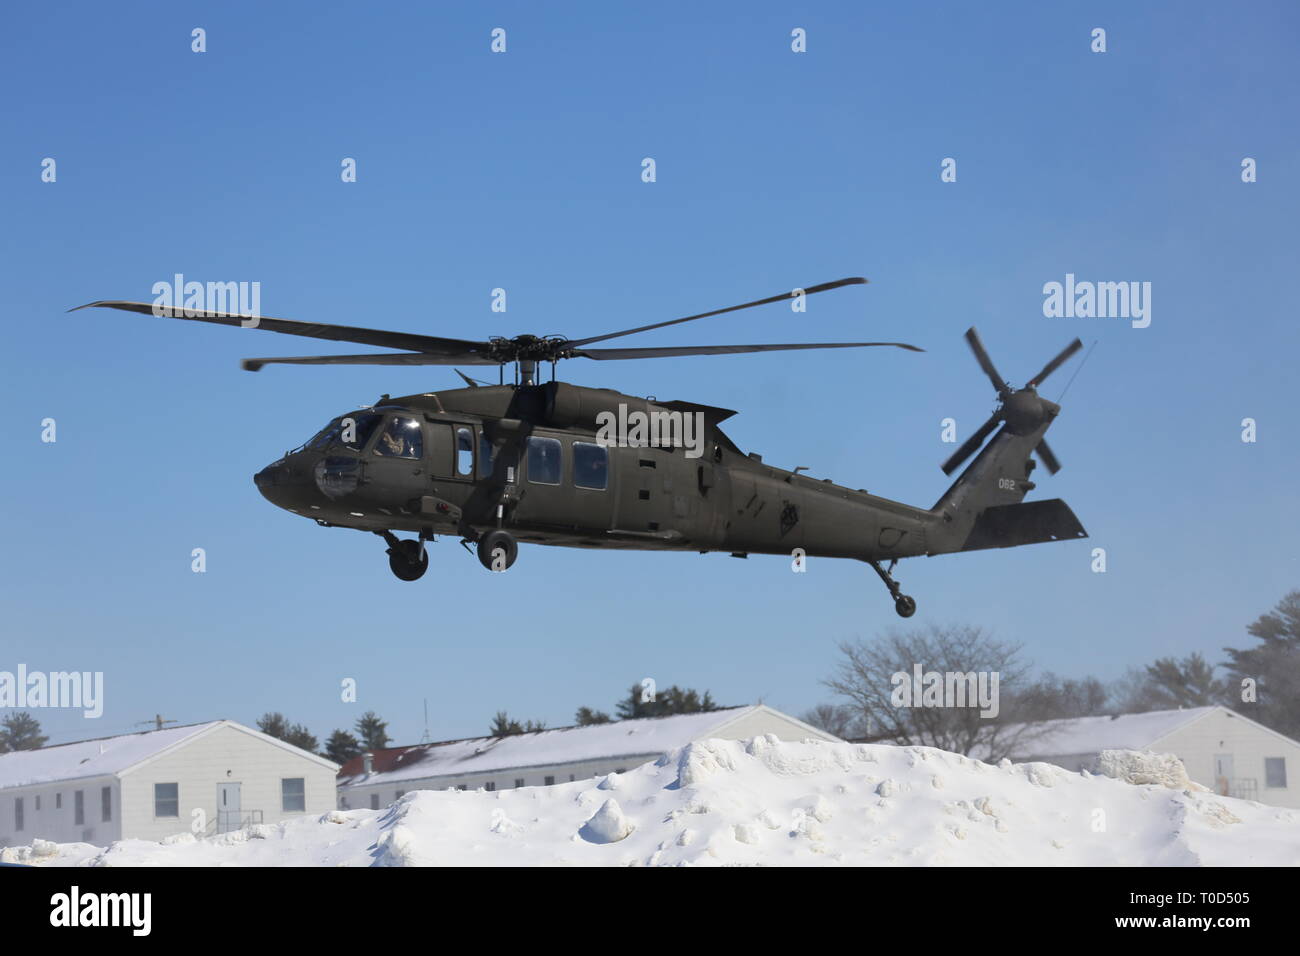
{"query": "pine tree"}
[(21, 731), (1272, 668), (585, 717), (372, 731), (342, 747)]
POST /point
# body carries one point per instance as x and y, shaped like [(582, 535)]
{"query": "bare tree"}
[(872, 675), (842, 720)]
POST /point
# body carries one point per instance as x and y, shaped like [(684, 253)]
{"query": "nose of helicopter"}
[(271, 482)]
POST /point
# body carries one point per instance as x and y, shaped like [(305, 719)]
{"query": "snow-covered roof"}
[(1089, 735), (116, 755), (625, 738), (90, 758)]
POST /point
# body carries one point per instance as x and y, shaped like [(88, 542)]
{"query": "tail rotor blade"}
[(1048, 457), (986, 363), (971, 445), (1056, 363)]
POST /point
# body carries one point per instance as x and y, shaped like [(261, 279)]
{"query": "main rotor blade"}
[(607, 354), (810, 290), (986, 363), (378, 358), (970, 445), (1049, 459), (1055, 363), (462, 350)]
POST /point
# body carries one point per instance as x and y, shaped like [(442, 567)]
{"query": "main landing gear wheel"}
[(497, 550), (408, 560), (904, 605)]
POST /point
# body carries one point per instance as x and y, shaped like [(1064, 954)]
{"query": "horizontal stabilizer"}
[(1029, 522)]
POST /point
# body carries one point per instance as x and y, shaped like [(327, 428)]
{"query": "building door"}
[(1223, 774), (228, 811)]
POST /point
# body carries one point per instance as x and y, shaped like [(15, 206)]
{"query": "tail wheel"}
[(408, 560), (497, 550)]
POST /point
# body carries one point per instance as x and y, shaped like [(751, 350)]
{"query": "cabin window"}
[(1275, 772), (464, 452), (400, 438), (293, 795), (79, 807), (166, 800), (590, 466), (106, 804), (543, 460), (486, 456)]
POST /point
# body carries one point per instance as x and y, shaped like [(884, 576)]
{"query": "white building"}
[(547, 757), (150, 785), (1220, 748)]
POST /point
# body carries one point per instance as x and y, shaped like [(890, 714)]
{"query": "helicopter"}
[(534, 462)]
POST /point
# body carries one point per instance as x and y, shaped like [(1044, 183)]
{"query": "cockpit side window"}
[(486, 456), (401, 438), (464, 452)]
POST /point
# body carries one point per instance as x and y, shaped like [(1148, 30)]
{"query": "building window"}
[(293, 794), (166, 800), (38, 803), (400, 794), (519, 781), (106, 804), (572, 778), (489, 786), (550, 781), (461, 786), (79, 807), (18, 813), (374, 801), (58, 801), (590, 466), (1275, 772), (543, 460)]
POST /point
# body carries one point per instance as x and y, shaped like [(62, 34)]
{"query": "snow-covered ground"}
[(762, 802)]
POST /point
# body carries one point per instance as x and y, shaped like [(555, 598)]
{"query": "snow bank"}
[(1145, 767), (764, 802)]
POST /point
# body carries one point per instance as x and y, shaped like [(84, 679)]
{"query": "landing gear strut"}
[(408, 560), (904, 605)]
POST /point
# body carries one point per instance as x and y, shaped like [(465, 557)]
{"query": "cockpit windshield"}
[(349, 431)]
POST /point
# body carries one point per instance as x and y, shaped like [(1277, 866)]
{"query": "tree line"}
[(1261, 681)]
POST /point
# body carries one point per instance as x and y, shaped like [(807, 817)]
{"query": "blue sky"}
[(522, 170)]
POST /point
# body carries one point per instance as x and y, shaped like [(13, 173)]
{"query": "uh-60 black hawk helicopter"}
[(527, 461)]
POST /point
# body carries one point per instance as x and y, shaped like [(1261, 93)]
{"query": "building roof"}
[(643, 737), (90, 758), (105, 756), (1089, 735)]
